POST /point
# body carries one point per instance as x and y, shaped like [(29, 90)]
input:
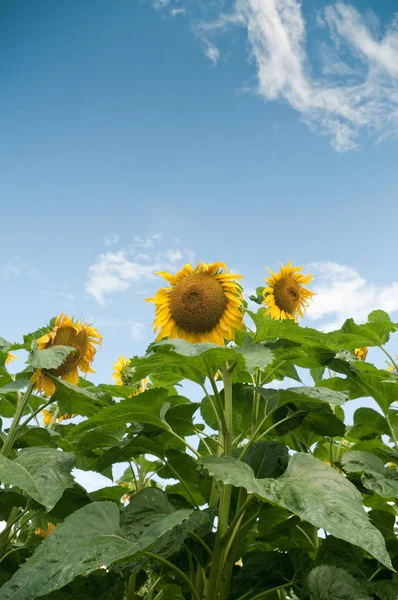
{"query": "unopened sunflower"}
[(286, 297), (75, 334), (361, 353), (202, 304), (10, 358)]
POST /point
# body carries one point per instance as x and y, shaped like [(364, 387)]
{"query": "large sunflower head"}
[(76, 334), (201, 304), (286, 297)]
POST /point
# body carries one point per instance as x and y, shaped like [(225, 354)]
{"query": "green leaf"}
[(314, 492), (150, 407), (49, 358), (14, 386), (268, 329), (368, 424), (43, 473), (72, 399), (318, 394), (86, 539), (374, 333), (332, 583), (373, 473), (267, 459), (257, 356), (171, 361), (386, 590)]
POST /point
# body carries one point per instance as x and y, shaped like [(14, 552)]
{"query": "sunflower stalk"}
[(22, 403)]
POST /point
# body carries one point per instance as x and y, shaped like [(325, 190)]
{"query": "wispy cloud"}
[(137, 330), (117, 271), (357, 90), (111, 239), (341, 293)]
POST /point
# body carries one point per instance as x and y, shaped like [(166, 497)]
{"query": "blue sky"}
[(136, 136)]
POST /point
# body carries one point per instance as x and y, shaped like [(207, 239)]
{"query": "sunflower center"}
[(287, 294), (68, 336), (197, 303)]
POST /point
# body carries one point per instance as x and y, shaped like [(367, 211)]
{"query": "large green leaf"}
[(88, 538), (368, 424), (374, 333), (151, 407), (313, 491), (373, 473), (43, 473), (332, 583), (73, 399), (49, 358), (171, 361), (316, 394), (268, 329)]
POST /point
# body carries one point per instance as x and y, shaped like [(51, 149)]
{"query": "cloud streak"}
[(361, 95)]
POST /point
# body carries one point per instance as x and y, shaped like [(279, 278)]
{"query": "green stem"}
[(191, 448), (196, 537), (253, 437), (12, 432), (219, 406), (394, 437), (376, 573), (256, 402), (228, 408), (331, 448), (36, 412), (266, 592), (390, 357), (178, 571)]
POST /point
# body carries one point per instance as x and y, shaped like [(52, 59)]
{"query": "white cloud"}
[(177, 11), (174, 255), (341, 293), (111, 239), (212, 53), (137, 330), (360, 95), (114, 272), (10, 270), (117, 271)]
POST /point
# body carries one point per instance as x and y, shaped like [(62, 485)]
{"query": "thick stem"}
[(12, 432)]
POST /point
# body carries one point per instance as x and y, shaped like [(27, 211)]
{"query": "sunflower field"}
[(253, 487)]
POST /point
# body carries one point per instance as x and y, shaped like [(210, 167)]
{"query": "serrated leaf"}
[(257, 356), (86, 539), (49, 358), (313, 491), (72, 399), (333, 583), (373, 473), (43, 473)]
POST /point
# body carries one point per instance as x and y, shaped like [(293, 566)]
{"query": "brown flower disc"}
[(197, 303), (287, 294)]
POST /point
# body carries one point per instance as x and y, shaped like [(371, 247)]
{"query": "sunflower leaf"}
[(314, 492), (49, 358), (373, 473), (86, 539), (327, 582), (43, 473)]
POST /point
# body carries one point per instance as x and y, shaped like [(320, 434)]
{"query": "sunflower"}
[(286, 297), (48, 417), (10, 358), (361, 353), (44, 533), (76, 334), (202, 304), (123, 372)]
